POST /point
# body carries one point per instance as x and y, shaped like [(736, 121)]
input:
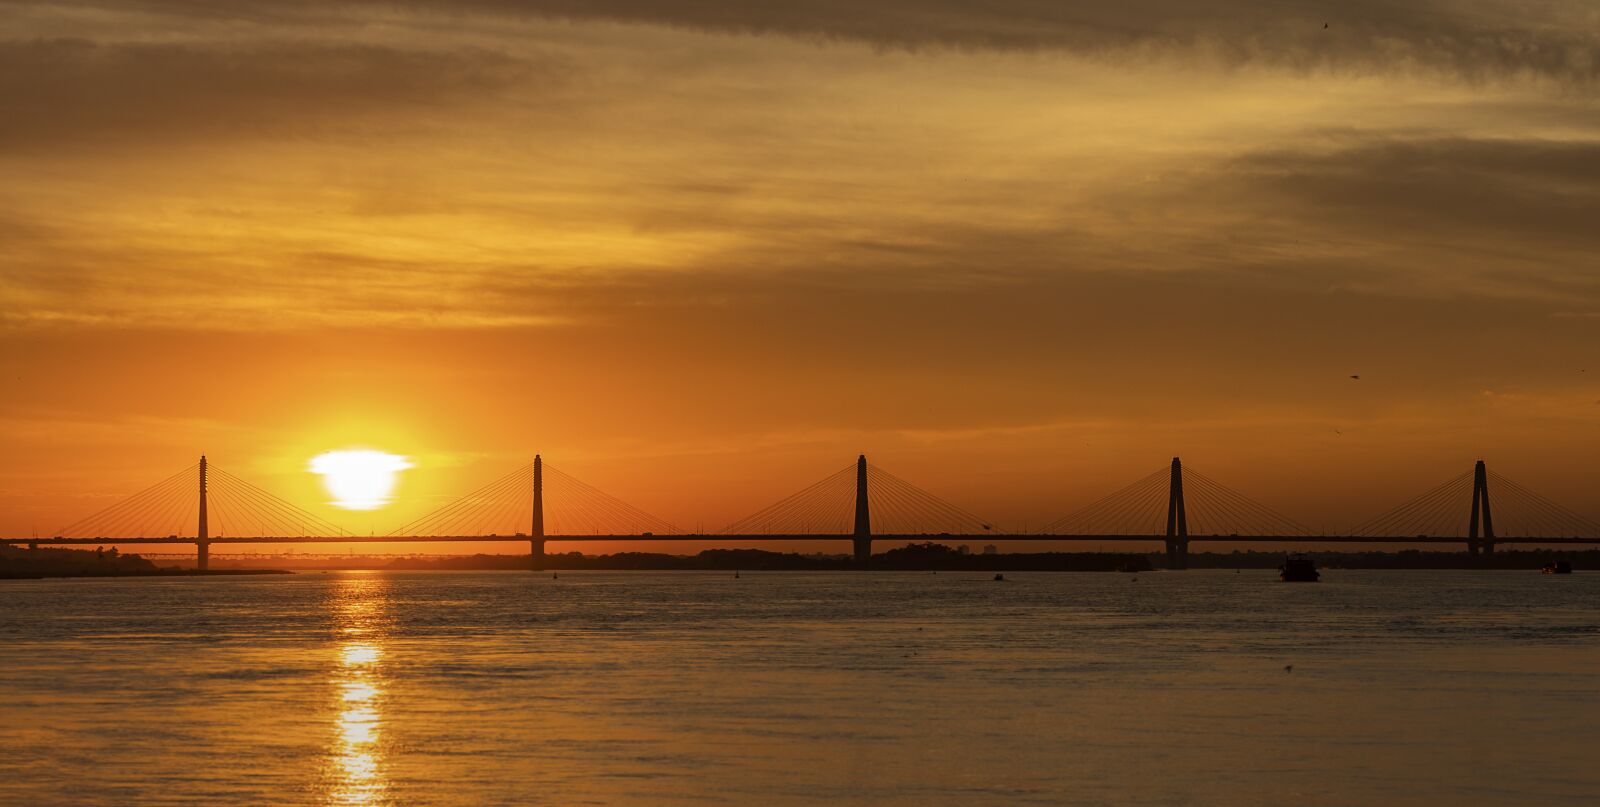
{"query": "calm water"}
[(653, 688)]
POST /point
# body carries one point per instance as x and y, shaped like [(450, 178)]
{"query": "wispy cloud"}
[(54, 92)]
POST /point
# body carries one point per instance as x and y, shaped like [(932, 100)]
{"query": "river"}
[(641, 688)]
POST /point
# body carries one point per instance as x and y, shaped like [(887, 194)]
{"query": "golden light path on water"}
[(356, 755)]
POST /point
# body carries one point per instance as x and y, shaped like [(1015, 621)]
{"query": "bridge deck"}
[(942, 537)]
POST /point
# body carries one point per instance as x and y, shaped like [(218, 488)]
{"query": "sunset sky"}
[(701, 253)]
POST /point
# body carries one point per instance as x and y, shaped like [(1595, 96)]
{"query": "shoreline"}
[(62, 563), (165, 571)]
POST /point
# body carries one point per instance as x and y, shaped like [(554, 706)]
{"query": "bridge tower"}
[(863, 533), (1177, 521), (202, 559), (536, 536), (1480, 504)]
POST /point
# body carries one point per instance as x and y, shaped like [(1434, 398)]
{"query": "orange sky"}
[(702, 254)]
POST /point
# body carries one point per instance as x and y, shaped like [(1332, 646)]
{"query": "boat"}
[(1558, 567), (1299, 570)]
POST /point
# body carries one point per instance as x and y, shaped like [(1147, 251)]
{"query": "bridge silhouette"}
[(860, 503)]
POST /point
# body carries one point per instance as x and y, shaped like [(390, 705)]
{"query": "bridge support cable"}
[(246, 509), (1136, 509), (901, 508), (1218, 510), (200, 503), (1520, 512), (1460, 507), (170, 508), (157, 511), (826, 507), (1176, 504), (860, 501), (1441, 511), (574, 507), (485, 511), (568, 507)]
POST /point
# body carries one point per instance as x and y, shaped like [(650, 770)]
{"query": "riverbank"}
[(925, 557), (37, 564)]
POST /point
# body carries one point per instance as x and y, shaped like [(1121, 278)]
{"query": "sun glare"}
[(359, 479)]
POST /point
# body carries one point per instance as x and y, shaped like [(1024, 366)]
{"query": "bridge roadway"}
[(941, 537), (1177, 546)]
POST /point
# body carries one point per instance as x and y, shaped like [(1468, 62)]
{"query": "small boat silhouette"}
[(1299, 570), (1558, 567)]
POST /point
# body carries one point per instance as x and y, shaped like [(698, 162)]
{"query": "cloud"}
[(1518, 213), (1387, 212), (1476, 41), (1549, 187), (676, 163), (78, 90), (1375, 213)]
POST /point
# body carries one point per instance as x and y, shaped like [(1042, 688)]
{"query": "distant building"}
[(963, 550), (991, 550)]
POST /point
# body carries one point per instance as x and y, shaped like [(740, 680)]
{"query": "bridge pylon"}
[(202, 556), (536, 559), (1177, 520), (1481, 518), (862, 538)]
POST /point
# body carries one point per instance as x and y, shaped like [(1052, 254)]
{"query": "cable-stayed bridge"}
[(860, 503)]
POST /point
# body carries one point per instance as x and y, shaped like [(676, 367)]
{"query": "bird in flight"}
[(1324, 26), (1355, 377)]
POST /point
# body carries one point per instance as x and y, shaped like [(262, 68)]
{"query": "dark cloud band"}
[(73, 89), (1474, 41)]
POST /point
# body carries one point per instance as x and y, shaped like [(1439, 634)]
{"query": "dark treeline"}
[(1405, 559), (927, 557), (915, 557), (18, 563)]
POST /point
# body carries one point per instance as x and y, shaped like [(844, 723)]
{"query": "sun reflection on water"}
[(358, 692), (356, 753), (358, 654)]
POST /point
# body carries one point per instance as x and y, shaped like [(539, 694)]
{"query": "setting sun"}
[(359, 479)]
